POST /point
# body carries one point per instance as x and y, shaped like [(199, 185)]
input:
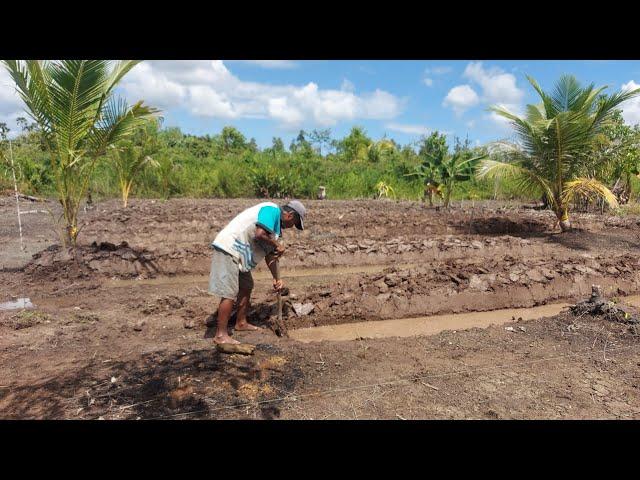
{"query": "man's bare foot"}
[(246, 326), (225, 339)]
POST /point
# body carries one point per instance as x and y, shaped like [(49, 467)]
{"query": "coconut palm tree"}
[(79, 117), (131, 156), (555, 140)]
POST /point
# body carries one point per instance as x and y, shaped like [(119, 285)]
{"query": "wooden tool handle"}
[(277, 269)]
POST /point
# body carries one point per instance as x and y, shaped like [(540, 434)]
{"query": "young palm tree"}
[(79, 118), (556, 138), (131, 156)]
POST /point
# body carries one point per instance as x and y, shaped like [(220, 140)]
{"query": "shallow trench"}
[(409, 327), (394, 327)]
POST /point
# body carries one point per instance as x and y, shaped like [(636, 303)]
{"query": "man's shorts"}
[(226, 279)]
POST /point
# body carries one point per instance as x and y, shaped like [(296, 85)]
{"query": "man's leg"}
[(244, 297), (223, 282), (224, 313)]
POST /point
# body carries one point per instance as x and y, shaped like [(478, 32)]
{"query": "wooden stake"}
[(280, 328), (15, 187)]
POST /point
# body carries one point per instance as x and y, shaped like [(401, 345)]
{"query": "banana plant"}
[(455, 168), (429, 175)]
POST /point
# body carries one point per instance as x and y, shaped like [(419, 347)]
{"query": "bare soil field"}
[(121, 328)]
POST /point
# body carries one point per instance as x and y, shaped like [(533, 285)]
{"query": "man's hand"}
[(278, 285)]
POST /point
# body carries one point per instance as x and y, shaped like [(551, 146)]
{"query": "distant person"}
[(238, 248)]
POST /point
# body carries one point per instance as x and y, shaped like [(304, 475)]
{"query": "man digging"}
[(238, 248)]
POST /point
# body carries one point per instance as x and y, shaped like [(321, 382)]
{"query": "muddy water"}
[(408, 327), (17, 304)]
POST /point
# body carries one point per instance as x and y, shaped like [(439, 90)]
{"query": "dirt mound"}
[(107, 258), (503, 226), (461, 285)]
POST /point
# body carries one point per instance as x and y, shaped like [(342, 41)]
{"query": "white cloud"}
[(11, 105), (281, 110), (434, 71), (498, 88), (157, 90), (378, 105), (631, 108), (441, 70), (461, 98), (209, 103), (279, 64), (409, 128), (9, 99), (208, 88)]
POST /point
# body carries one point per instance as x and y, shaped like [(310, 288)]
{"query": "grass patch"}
[(26, 319)]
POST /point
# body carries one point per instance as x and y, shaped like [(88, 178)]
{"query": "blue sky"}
[(402, 99)]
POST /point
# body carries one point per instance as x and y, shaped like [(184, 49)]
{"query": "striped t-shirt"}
[(238, 237)]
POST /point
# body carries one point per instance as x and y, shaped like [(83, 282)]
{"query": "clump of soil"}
[(598, 305)]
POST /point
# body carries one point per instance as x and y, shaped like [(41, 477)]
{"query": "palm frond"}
[(75, 90), (536, 113), (531, 133), (567, 91), (120, 69), (32, 80), (547, 102), (588, 188), (607, 107), (118, 121), (525, 179)]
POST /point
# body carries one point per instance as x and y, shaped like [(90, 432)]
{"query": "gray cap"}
[(300, 210)]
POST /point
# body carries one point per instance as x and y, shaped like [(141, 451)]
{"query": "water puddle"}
[(409, 327), (17, 304)]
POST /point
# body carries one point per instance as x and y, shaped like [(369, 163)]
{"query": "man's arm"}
[(263, 236), (271, 261)]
